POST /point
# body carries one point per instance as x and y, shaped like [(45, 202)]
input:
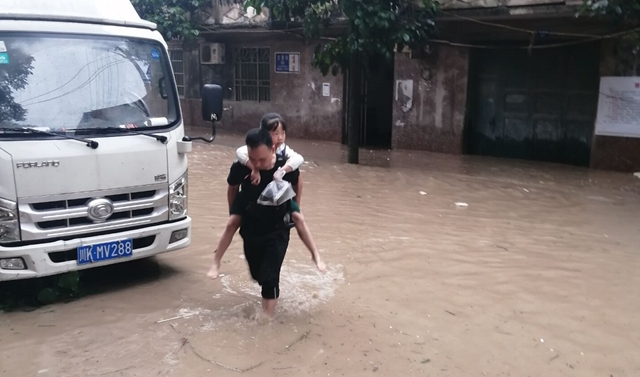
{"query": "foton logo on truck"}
[(37, 164)]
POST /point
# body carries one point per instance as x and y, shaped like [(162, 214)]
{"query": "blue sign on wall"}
[(287, 62)]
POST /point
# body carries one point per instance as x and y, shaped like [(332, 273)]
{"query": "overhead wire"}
[(588, 38)]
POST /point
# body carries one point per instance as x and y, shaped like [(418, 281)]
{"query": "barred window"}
[(253, 74), (177, 62)]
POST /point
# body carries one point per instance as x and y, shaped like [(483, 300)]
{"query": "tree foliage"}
[(374, 27), (176, 19), (627, 46), (628, 10)]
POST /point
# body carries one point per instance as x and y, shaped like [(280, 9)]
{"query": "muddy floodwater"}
[(438, 266)]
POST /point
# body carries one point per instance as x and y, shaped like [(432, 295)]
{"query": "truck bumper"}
[(57, 257)]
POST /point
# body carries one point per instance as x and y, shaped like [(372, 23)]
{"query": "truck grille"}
[(59, 217)]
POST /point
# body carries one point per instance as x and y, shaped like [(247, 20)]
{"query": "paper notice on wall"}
[(619, 107), (404, 94)]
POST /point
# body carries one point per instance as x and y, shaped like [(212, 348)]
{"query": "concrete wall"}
[(616, 153), (297, 97), (434, 120)]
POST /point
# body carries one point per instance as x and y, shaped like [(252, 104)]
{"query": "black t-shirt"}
[(259, 220)]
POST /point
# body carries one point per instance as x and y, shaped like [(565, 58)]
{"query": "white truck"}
[(93, 156)]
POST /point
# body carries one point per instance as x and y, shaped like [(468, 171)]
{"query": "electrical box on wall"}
[(212, 53)]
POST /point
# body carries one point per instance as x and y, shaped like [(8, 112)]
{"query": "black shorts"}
[(265, 255)]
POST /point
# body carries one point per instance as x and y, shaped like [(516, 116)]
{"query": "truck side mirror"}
[(212, 103), (211, 110)]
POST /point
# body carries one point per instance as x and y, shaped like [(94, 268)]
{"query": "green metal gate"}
[(538, 106)]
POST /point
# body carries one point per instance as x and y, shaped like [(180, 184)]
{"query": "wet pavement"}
[(534, 272)]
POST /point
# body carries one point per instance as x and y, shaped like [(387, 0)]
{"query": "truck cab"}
[(93, 153)]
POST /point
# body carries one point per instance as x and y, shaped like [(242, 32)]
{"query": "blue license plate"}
[(105, 251)]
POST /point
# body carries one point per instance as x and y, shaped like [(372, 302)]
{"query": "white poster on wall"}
[(404, 94), (619, 107)]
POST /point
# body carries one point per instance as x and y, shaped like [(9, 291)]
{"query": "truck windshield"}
[(67, 83)]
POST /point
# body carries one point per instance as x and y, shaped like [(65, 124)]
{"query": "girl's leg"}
[(225, 240), (305, 236)]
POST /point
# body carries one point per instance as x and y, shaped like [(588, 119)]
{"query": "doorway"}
[(534, 106), (376, 109)]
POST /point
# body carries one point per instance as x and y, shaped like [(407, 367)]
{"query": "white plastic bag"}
[(277, 192)]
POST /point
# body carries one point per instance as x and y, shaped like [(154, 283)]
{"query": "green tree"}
[(621, 12), (628, 10), (176, 19), (373, 28)]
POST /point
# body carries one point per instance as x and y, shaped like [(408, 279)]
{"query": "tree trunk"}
[(355, 101)]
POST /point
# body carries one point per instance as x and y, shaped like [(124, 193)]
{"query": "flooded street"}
[(534, 272)]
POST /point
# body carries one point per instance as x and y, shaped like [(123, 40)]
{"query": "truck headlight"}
[(9, 224), (178, 198)]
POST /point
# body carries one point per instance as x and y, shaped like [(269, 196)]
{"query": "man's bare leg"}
[(225, 240), (305, 235), (265, 315), (269, 307)]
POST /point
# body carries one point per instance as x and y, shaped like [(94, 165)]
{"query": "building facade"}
[(506, 78)]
